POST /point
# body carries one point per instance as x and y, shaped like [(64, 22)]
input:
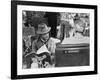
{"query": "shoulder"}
[(51, 40), (54, 40), (35, 41)]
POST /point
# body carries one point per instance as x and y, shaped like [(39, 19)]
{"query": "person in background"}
[(59, 31), (79, 28)]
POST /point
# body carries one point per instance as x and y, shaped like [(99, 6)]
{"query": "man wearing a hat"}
[(44, 38)]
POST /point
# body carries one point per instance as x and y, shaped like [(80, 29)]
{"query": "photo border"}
[(14, 39)]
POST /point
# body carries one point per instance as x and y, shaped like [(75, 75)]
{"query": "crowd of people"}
[(72, 23)]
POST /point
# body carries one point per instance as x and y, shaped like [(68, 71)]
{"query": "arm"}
[(34, 48)]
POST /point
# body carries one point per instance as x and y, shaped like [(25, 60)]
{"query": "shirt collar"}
[(44, 41)]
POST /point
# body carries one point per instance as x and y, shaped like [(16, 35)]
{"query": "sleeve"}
[(52, 50), (34, 48), (52, 46)]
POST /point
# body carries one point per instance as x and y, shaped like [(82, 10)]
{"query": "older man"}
[(44, 39)]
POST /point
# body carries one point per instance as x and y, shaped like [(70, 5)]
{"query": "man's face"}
[(45, 36)]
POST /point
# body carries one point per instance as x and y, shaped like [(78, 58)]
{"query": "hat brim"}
[(38, 32)]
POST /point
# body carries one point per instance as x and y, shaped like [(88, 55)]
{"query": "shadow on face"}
[(45, 36)]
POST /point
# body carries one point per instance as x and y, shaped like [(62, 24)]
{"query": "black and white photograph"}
[(52, 39), (55, 39)]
